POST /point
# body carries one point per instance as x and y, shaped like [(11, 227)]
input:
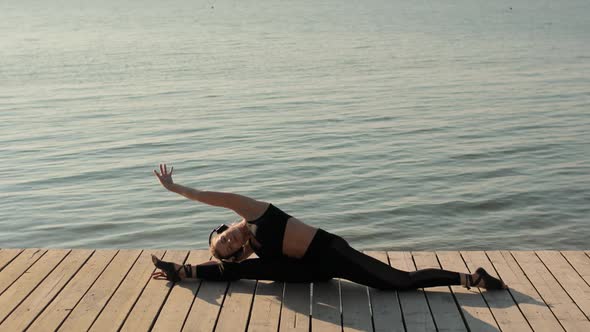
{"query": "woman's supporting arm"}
[(292, 270)]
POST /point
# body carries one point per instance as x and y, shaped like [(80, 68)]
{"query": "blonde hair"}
[(213, 247)]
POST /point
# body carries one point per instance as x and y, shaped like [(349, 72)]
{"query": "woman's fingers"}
[(164, 176), (164, 169)]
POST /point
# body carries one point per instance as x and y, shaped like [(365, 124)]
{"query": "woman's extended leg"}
[(348, 263)]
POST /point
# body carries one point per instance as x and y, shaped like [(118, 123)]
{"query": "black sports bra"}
[(269, 232)]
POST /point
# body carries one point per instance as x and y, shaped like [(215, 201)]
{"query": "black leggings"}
[(329, 256)]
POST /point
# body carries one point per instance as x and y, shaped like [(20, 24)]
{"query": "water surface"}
[(398, 125)]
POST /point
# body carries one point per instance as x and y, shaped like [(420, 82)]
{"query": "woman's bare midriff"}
[(298, 237)]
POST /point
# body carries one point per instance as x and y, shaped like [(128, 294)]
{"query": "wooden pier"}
[(111, 290)]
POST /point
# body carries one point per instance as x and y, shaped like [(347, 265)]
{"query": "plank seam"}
[(10, 261), (221, 305), (36, 286), (137, 298), (567, 260), (509, 293), (194, 298), (536, 290), (281, 307), (190, 308), (512, 293), (86, 292), (251, 306), (341, 306), (165, 297), (25, 271), (425, 295), (62, 288), (115, 290), (566, 292), (480, 293), (370, 307), (455, 299), (399, 301)]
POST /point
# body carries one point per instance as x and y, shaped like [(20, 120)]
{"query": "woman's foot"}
[(482, 279), (169, 271)]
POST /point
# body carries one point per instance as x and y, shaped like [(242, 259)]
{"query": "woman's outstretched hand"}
[(165, 177)]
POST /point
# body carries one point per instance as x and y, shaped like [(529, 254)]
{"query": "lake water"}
[(403, 125)]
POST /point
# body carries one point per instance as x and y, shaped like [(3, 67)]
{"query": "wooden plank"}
[(88, 308), (47, 288), (179, 302), (22, 287), (413, 302), (67, 299), (476, 312), (356, 314), (117, 308), (569, 279), (566, 311), (325, 310), (26, 312), (387, 313), (18, 266), (295, 313), (447, 315), (528, 299), (356, 306), (267, 306), (236, 307), (580, 261), (500, 302), (206, 306), (7, 255), (144, 312)]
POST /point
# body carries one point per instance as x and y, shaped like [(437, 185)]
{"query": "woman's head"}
[(226, 242)]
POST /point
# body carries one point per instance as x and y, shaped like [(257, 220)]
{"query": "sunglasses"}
[(220, 229)]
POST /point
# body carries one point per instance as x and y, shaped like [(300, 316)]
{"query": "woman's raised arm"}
[(246, 207)]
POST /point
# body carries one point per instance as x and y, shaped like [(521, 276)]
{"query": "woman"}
[(292, 251)]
